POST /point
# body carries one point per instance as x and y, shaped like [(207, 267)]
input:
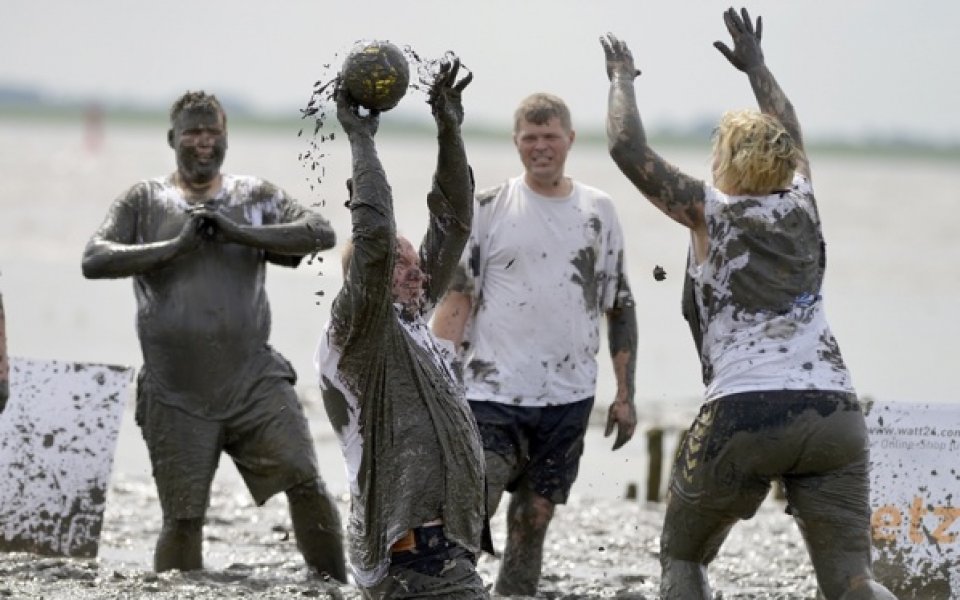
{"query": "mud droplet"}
[(658, 273)]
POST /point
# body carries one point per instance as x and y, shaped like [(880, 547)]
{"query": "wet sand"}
[(600, 545)]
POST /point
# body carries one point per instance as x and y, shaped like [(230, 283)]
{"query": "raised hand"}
[(746, 53), (348, 113), (444, 95), (619, 59)]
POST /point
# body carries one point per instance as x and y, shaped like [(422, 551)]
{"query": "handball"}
[(376, 75)]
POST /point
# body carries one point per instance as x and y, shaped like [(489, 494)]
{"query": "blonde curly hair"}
[(753, 154)]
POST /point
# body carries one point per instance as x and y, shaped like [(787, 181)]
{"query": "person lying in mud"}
[(196, 243), (779, 401), (412, 450)]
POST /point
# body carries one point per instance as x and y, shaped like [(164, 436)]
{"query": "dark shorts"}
[(538, 448), (437, 567), (815, 442), (269, 442)]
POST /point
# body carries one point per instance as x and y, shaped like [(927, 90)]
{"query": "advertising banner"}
[(58, 436), (915, 487)]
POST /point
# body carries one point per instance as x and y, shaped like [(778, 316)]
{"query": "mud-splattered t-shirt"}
[(759, 295), (542, 273), (410, 441), (204, 320)]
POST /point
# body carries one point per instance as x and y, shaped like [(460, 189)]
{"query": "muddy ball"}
[(376, 75)]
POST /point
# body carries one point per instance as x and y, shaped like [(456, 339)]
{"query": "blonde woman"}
[(779, 402)]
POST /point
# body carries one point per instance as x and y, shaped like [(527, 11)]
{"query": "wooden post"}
[(655, 471)]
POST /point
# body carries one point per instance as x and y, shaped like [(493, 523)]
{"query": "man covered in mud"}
[(544, 263), (412, 450), (197, 243), (779, 400), (4, 360)]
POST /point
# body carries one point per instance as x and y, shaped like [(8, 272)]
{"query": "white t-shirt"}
[(543, 270), (759, 296)]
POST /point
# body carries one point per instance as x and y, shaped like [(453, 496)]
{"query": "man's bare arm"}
[(622, 341), (450, 318)]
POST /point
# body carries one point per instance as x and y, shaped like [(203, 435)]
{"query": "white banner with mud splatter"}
[(915, 485), (58, 436)]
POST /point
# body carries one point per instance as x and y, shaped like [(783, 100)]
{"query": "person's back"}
[(759, 295), (779, 404)]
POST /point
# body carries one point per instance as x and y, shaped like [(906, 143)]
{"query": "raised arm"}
[(747, 56), (451, 199), (678, 195), (114, 252), (366, 294)]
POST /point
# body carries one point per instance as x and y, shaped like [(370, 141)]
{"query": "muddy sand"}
[(600, 545)]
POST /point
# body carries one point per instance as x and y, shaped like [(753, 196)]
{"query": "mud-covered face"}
[(199, 138), (408, 279), (543, 149)]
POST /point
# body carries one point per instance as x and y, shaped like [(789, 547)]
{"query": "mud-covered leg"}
[(316, 525), (690, 540), (180, 545), (528, 516), (841, 561)]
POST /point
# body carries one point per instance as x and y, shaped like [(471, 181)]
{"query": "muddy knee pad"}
[(868, 590), (683, 580)]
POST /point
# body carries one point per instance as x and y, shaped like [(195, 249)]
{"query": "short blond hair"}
[(539, 108), (753, 154)]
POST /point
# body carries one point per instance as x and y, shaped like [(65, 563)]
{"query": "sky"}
[(854, 69)]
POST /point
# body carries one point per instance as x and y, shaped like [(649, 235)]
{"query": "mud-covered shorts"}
[(436, 567), (535, 447), (815, 442), (269, 442)]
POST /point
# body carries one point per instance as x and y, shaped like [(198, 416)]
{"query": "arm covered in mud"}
[(301, 232), (4, 360), (368, 272), (451, 199), (113, 251), (622, 340), (747, 56), (678, 195)]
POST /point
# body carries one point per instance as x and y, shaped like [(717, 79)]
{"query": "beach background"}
[(891, 282), (82, 119)]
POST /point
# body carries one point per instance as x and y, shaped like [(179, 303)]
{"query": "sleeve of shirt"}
[(442, 246), (291, 211), (120, 224)]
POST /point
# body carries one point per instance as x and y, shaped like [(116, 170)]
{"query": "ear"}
[(170, 138), (573, 136)]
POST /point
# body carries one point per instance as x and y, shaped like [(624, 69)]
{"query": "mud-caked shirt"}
[(410, 441), (203, 320), (759, 295), (542, 272)]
